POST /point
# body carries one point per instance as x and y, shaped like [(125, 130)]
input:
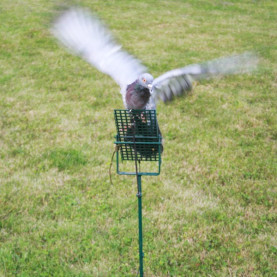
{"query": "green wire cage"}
[(138, 140)]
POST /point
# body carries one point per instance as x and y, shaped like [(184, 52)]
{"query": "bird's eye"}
[(144, 80)]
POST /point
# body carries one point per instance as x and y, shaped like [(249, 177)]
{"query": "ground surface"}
[(211, 212)]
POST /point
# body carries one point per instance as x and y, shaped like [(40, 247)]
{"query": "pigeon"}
[(82, 33), (86, 36)]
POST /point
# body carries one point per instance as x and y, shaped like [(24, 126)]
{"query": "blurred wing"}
[(179, 81), (86, 36)]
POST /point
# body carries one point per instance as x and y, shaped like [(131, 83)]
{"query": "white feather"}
[(84, 35)]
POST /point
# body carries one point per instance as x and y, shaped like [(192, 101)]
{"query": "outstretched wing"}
[(84, 34), (179, 81)]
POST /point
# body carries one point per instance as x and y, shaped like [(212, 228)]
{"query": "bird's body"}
[(84, 34), (136, 96)]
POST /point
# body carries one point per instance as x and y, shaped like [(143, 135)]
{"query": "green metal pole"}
[(139, 195)]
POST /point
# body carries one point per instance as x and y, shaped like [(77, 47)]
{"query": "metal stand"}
[(138, 139), (139, 195)]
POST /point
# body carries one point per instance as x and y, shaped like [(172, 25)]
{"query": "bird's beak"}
[(149, 86)]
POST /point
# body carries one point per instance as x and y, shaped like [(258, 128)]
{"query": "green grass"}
[(211, 212)]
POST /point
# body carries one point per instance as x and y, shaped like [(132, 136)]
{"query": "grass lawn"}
[(211, 212)]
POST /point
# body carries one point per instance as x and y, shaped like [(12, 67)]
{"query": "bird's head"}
[(146, 80)]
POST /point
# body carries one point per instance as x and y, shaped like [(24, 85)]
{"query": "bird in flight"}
[(85, 35)]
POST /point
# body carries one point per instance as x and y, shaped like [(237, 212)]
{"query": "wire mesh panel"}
[(138, 135)]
